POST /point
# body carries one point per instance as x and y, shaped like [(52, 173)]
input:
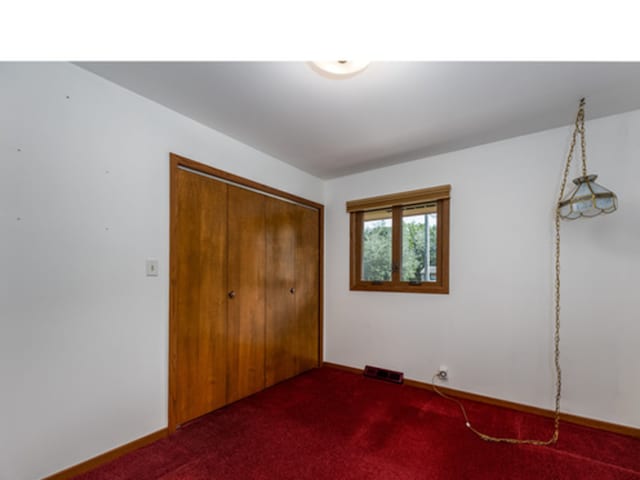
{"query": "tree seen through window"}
[(419, 230)]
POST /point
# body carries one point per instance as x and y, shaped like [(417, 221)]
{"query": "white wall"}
[(495, 329), (83, 332)]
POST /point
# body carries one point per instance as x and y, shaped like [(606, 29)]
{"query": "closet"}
[(245, 288)]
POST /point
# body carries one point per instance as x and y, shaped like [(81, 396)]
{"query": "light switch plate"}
[(152, 267)]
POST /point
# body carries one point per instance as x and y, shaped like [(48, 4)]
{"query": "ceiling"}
[(392, 112)]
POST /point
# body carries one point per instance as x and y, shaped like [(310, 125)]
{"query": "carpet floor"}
[(331, 424)]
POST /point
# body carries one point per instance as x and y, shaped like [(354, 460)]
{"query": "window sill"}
[(404, 287)]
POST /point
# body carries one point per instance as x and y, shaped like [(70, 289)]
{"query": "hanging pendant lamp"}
[(588, 198)]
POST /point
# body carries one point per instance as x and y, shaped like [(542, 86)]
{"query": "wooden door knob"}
[(232, 294)]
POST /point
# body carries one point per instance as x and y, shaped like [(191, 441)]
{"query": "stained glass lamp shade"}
[(588, 199)]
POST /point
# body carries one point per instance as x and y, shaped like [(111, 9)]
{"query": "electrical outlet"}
[(443, 372)]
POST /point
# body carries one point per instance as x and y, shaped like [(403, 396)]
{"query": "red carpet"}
[(329, 424)]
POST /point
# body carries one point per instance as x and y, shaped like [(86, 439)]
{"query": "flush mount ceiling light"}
[(340, 68)]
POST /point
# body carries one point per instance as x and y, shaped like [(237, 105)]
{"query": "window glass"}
[(376, 245), (419, 243)]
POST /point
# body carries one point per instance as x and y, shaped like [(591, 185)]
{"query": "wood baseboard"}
[(95, 462), (520, 407)]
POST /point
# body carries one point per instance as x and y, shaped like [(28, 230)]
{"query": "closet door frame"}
[(178, 162)]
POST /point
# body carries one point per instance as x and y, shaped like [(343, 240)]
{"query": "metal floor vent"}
[(383, 374)]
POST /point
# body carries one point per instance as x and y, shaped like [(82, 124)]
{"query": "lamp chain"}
[(579, 128)]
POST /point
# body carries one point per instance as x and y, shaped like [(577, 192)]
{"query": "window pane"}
[(376, 246), (419, 230)]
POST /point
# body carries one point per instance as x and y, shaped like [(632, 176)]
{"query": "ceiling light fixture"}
[(340, 68)]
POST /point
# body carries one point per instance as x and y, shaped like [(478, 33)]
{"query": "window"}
[(400, 242)]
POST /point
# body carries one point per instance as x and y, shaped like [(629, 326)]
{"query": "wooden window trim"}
[(411, 197), (356, 209)]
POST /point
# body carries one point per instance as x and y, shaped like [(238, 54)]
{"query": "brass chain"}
[(579, 128)]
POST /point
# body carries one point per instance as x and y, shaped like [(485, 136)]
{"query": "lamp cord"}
[(579, 128)]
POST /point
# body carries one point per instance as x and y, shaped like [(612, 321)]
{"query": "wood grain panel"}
[(246, 310), (307, 270), (199, 296), (281, 328)]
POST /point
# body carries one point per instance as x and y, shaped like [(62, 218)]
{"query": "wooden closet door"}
[(293, 250), (246, 285), (198, 336), (307, 266), (281, 328)]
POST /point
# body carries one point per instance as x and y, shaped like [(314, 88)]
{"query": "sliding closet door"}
[(246, 296), (198, 336), (281, 328)]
